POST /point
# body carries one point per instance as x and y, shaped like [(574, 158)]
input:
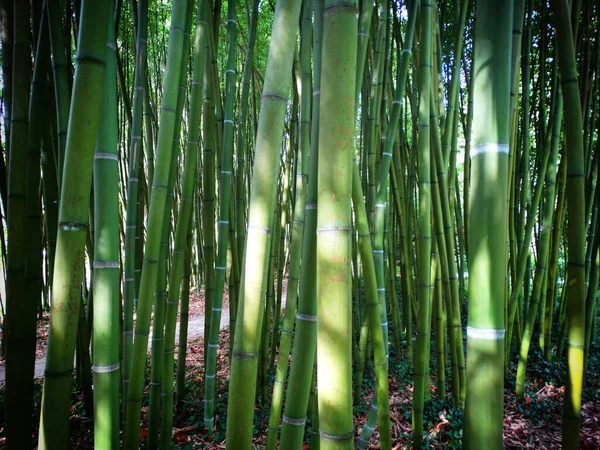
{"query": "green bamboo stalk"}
[(106, 265), (424, 220), (373, 316), (524, 249), (269, 307), (241, 141), (449, 269), (50, 199), (208, 190), (283, 222), (543, 249), (37, 128), (233, 274), (304, 349), (149, 125), (7, 37), (242, 386), (61, 64), (557, 228), (334, 287), (73, 223), (489, 173), (298, 227), (525, 193), (184, 319), (467, 131), (223, 226), (576, 228), (451, 118), (20, 318), (132, 225), (440, 344), (181, 230), (160, 292), (155, 221)]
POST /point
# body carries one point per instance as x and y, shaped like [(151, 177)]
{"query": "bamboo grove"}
[(364, 182)]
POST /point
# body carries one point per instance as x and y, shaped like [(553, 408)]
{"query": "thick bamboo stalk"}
[(297, 235), (334, 250), (242, 387), (303, 352), (73, 223), (487, 261), (106, 289), (20, 316), (576, 228)]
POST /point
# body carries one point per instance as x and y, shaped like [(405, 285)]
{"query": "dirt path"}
[(195, 329)]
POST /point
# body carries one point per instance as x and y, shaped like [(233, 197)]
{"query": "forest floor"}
[(535, 421)]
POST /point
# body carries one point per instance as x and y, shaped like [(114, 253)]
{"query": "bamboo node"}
[(106, 369), (294, 422), (57, 373), (73, 226), (334, 228), (277, 97), (336, 437), (486, 333), (244, 355), (107, 265), (489, 147), (89, 59), (306, 317), (266, 230), (106, 155)]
